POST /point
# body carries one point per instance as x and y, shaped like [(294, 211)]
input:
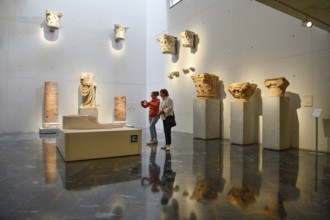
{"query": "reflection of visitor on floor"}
[(154, 171), (167, 180)]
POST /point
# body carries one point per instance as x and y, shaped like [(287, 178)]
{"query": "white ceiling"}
[(318, 11)]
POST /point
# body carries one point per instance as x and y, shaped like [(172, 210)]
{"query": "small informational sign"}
[(134, 138), (316, 113)]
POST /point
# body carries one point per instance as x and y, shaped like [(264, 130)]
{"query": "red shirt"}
[(153, 107)]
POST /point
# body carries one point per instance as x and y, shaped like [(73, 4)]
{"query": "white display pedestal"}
[(49, 128), (98, 143), (276, 123), (89, 111), (206, 120), (242, 123)]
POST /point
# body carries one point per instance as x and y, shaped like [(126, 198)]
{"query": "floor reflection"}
[(245, 159), (154, 172), (50, 157), (82, 175), (197, 179)]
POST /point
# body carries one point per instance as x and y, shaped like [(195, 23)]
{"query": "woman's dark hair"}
[(164, 91), (156, 93)]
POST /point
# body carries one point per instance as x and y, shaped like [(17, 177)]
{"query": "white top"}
[(167, 106)]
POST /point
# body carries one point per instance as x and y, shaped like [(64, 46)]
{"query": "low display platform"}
[(98, 143)]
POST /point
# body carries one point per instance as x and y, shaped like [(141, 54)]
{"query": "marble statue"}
[(206, 85), (188, 39), (174, 74), (53, 20), (167, 44), (88, 90), (50, 104), (242, 91), (120, 32), (276, 86)]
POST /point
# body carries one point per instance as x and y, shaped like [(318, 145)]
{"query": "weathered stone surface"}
[(120, 32), (188, 39), (88, 90), (276, 86), (242, 91), (53, 20), (206, 85), (167, 44), (120, 108), (50, 103)]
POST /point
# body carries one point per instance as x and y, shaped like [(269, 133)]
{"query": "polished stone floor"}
[(196, 180)]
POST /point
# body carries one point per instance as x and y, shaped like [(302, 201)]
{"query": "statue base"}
[(49, 128), (206, 121), (242, 123), (89, 112), (276, 123)]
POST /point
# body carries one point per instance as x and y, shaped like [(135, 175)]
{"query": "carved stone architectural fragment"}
[(242, 91), (120, 32), (206, 85), (173, 74), (50, 104), (276, 86), (167, 44), (120, 108), (53, 20), (187, 38)]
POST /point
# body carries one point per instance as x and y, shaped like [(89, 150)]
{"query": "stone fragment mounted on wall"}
[(120, 108), (120, 32), (173, 74), (167, 44), (53, 20), (242, 91), (276, 86), (206, 85), (88, 90), (187, 39)]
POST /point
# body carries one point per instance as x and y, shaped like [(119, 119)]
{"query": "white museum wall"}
[(31, 55), (239, 41)]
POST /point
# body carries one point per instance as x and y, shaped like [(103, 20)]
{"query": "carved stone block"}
[(167, 44), (120, 108), (174, 74), (206, 85), (242, 91), (88, 90), (188, 39), (50, 104), (120, 32), (185, 71), (276, 86), (53, 20)]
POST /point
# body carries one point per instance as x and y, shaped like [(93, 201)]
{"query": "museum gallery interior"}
[(250, 85)]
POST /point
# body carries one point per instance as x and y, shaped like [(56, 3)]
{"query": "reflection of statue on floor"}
[(88, 90), (154, 171)]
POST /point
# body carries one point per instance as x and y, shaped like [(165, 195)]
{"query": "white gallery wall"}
[(241, 40), (31, 55)]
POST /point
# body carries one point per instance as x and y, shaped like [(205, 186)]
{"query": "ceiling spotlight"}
[(307, 24)]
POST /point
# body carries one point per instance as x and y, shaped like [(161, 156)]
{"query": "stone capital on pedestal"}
[(206, 85), (242, 91), (276, 86)]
